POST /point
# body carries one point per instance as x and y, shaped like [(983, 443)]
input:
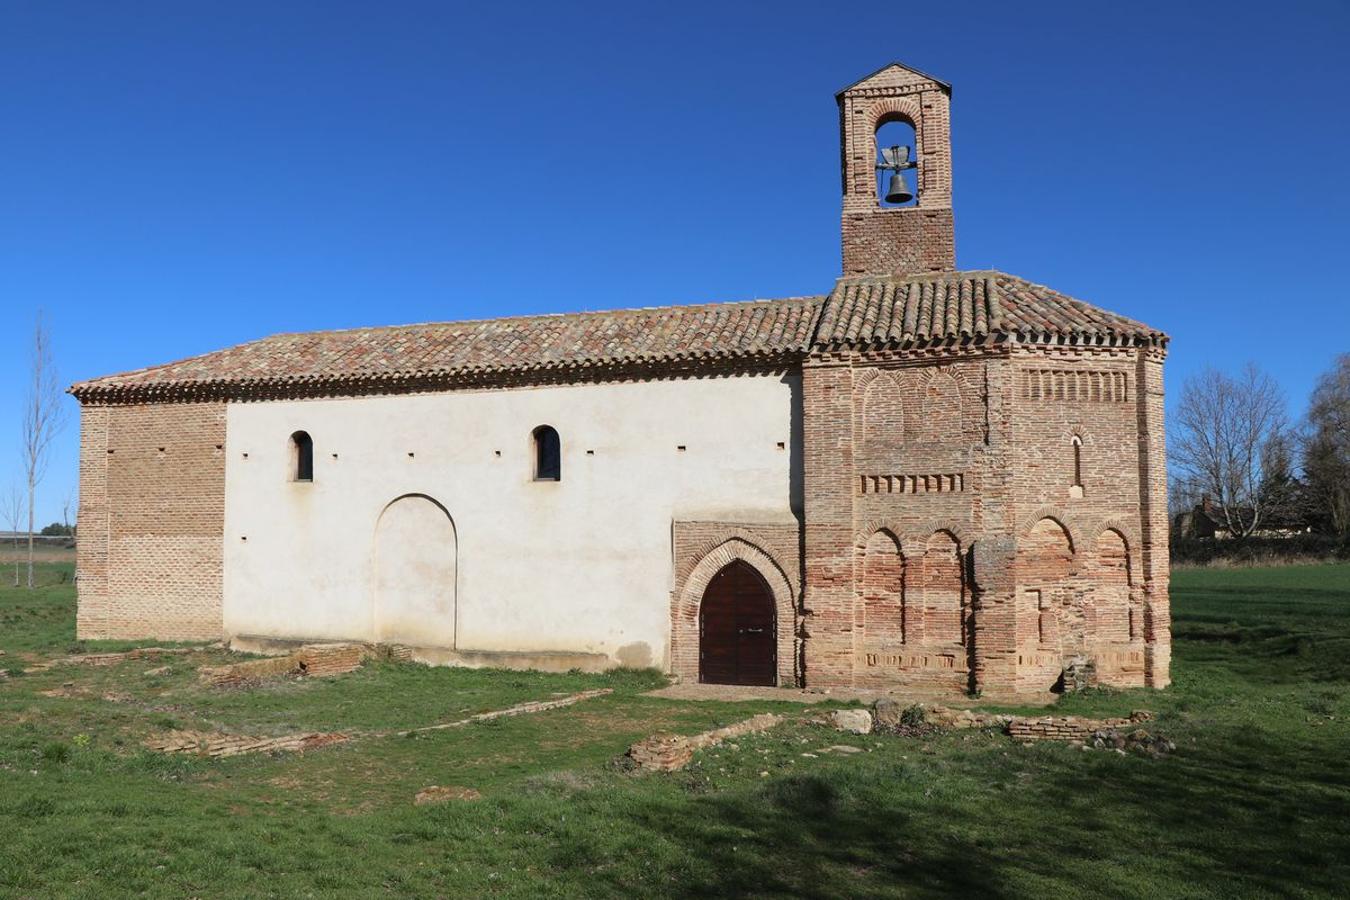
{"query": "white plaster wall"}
[(581, 565)]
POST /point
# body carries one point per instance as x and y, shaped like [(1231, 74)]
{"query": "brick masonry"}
[(152, 506)]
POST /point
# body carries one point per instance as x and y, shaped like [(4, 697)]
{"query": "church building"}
[(925, 479)]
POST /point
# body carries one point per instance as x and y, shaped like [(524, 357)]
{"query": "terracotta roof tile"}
[(890, 310), (762, 329), (862, 311)]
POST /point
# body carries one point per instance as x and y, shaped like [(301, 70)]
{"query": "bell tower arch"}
[(881, 239)]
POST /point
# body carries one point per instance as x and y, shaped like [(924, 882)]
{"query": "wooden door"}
[(737, 629)]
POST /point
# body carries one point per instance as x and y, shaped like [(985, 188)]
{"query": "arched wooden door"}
[(738, 629)]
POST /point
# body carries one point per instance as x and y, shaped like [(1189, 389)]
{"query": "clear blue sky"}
[(181, 176)]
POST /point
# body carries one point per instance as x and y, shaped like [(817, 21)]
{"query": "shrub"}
[(56, 752)]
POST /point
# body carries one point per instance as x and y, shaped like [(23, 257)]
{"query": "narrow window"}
[(1076, 489), (547, 454), (302, 457)]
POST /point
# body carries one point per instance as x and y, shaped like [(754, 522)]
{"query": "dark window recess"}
[(302, 456), (547, 454)]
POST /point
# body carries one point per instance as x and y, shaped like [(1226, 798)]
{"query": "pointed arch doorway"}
[(738, 628)]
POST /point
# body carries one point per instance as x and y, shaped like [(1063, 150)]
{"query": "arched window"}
[(1076, 488), (896, 132), (547, 454), (302, 457)]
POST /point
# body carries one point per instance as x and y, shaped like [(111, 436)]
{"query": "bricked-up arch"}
[(886, 621), (1115, 619), (943, 590), (1049, 615), (941, 417), (685, 615), (883, 413), (415, 568)]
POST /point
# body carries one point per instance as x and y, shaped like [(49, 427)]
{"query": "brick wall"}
[(983, 521), (152, 501), (919, 238)]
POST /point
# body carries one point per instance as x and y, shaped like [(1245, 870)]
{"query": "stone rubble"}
[(854, 721), (672, 752), (217, 744)]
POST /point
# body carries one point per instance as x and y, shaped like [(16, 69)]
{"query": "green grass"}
[(1255, 801)]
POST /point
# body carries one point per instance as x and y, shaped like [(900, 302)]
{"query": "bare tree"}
[(11, 505), (1227, 428), (1326, 448), (67, 503), (43, 418)]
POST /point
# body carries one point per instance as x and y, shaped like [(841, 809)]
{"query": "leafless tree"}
[(67, 503), (12, 509), (43, 418), (1326, 448), (1226, 426)]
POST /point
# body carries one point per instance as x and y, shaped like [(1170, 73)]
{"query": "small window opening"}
[(547, 454), (302, 457), (896, 186), (1076, 489)]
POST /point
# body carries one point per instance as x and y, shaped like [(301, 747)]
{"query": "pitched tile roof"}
[(862, 311), (754, 330), (892, 310)]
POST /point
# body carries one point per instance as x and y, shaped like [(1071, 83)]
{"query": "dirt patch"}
[(438, 794)]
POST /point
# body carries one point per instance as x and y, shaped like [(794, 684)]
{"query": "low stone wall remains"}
[(672, 752), (217, 744), (320, 660)]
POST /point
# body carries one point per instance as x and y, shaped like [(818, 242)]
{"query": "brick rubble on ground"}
[(672, 752), (217, 744)]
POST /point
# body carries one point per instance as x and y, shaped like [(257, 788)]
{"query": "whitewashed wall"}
[(583, 565)]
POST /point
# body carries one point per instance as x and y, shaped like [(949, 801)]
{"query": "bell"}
[(898, 192)]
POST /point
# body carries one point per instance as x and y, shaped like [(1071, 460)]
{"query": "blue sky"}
[(178, 177)]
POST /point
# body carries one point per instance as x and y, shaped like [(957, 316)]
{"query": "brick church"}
[(926, 479)]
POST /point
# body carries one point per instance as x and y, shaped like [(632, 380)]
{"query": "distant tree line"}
[(1241, 469)]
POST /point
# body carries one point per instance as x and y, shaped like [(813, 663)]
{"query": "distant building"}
[(925, 477)]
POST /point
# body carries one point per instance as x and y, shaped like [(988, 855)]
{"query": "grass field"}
[(1254, 802)]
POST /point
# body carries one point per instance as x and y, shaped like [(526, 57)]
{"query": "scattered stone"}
[(839, 748), (672, 752), (161, 670), (438, 794), (854, 721), (810, 755), (1079, 675), (886, 713)]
